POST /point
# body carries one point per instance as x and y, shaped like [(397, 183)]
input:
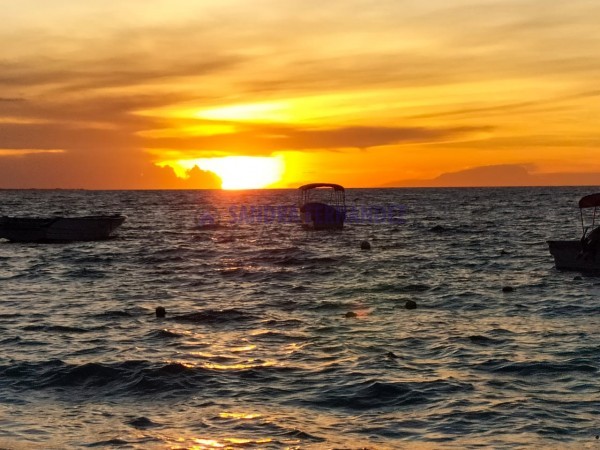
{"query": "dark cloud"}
[(62, 136), (252, 139), (165, 178), (267, 139), (82, 171), (366, 137), (112, 113)]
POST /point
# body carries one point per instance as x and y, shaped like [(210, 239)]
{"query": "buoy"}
[(161, 312), (350, 314), (577, 278), (410, 304), (365, 245), (391, 355), (508, 289)]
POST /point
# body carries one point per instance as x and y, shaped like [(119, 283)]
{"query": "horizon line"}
[(295, 188)]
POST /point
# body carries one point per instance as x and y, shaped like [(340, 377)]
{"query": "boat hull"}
[(320, 216), (59, 229), (569, 255)]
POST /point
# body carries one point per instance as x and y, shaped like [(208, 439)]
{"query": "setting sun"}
[(241, 172)]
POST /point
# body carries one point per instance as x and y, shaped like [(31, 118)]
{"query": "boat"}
[(59, 229), (322, 206), (580, 255)]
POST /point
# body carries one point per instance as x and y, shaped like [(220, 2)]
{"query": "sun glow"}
[(241, 172), (255, 112)]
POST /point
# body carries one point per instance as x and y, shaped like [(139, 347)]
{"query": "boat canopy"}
[(335, 187), (590, 201)]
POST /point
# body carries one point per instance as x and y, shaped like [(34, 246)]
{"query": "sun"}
[(241, 172)]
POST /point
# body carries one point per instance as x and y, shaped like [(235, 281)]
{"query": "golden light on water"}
[(238, 416), (227, 442), (245, 348), (249, 364), (207, 443)]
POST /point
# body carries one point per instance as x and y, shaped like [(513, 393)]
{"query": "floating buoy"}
[(410, 304), (391, 355), (161, 312), (351, 314), (365, 245), (577, 278), (508, 289)]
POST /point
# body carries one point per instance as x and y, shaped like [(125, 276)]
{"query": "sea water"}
[(277, 337)]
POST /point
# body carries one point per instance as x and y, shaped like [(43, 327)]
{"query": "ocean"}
[(276, 337)]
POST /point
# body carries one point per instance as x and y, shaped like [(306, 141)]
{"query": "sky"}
[(155, 94)]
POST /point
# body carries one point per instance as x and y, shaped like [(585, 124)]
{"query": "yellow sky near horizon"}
[(363, 93)]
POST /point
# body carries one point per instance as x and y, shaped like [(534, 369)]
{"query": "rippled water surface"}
[(280, 338)]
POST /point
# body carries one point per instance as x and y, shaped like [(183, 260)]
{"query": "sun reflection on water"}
[(246, 348), (204, 443), (249, 364), (239, 416), (228, 442)]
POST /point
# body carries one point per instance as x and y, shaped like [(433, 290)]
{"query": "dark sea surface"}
[(258, 349)]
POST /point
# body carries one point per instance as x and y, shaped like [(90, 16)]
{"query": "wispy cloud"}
[(11, 99), (261, 140)]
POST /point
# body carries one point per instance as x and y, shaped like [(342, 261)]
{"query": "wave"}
[(215, 316), (538, 368), (142, 423), (85, 272), (59, 329), (375, 394), (110, 443), (134, 377), (10, 340), (210, 227), (114, 314), (166, 334), (119, 378), (485, 340)]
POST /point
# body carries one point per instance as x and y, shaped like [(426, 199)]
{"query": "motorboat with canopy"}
[(322, 206), (583, 254)]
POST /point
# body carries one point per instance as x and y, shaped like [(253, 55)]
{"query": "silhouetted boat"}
[(322, 206), (581, 255), (59, 229)]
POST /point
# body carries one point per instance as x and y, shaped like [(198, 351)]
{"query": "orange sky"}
[(366, 93)]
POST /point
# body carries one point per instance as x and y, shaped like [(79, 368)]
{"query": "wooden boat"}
[(322, 206), (59, 229), (581, 255)]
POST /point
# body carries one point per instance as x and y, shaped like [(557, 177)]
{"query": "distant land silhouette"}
[(502, 175)]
